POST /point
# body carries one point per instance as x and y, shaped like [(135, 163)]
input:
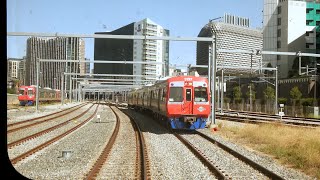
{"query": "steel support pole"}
[(209, 76), (276, 84), (222, 90), (70, 90), (62, 88), (299, 63), (218, 98), (213, 92), (37, 93)]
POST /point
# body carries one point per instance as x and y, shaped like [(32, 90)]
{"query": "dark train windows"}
[(176, 94), (30, 93), (188, 95), (21, 91), (200, 94)]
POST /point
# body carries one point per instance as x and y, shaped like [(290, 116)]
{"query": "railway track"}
[(253, 117), (218, 169), (43, 118), (39, 120), (39, 147), (45, 131), (221, 170), (108, 165)]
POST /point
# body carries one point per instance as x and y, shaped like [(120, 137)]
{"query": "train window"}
[(30, 93), (21, 91), (188, 95), (176, 94), (200, 94)]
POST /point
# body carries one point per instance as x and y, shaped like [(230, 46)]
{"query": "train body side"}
[(27, 95)]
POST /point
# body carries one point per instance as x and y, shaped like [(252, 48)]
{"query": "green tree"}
[(269, 93), (237, 94), (295, 94)]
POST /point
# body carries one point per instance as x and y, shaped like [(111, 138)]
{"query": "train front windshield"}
[(200, 94), (176, 94)]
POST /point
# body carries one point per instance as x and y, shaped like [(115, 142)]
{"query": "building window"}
[(279, 33), (318, 11), (278, 57), (279, 9), (308, 45), (278, 44), (317, 23), (279, 21), (308, 22), (309, 9), (308, 33)]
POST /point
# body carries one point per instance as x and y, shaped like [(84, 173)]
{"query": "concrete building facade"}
[(230, 36), (61, 48)]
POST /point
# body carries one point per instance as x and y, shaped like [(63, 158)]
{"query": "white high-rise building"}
[(149, 50), (134, 50)]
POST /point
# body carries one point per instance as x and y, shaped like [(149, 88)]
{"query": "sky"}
[(183, 18)]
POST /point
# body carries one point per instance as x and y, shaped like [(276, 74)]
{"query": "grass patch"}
[(298, 148)]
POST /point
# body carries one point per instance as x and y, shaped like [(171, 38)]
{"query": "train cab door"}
[(188, 104)]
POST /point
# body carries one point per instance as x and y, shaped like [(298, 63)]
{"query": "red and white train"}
[(27, 95), (182, 101)]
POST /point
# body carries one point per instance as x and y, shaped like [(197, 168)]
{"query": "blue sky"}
[(183, 18)]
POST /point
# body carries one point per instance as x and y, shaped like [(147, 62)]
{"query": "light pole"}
[(239, 82), (250, 97), (54, 83), (213, 66)]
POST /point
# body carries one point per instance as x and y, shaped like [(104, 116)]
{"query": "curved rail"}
[(105, 153), (10, 145), (144, 162), (211, 166), (28, 120), (38, 148), (253, 164)]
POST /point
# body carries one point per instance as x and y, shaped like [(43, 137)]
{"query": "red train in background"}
[(182, 102), (27, 95)]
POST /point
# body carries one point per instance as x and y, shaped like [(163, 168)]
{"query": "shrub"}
[(11, 91), (282, 100), (307, 101)]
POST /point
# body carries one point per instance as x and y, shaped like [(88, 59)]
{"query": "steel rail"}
[(144, 162), (40, 122), (95, 169), (212, 167), (40, 147), (28, 120), (243, 158), (17, 142)]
